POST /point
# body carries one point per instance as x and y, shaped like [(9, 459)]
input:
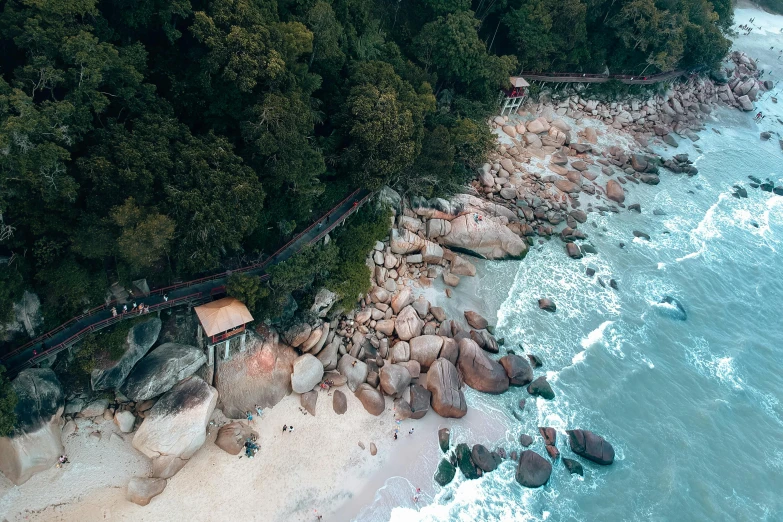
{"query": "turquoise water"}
[(693, 408)]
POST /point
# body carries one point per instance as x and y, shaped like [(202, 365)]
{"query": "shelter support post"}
[(242, 342)]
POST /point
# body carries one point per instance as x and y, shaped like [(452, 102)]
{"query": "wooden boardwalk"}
[(193, 292), (600, 78)]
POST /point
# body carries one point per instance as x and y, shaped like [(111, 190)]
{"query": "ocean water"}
[(694, 408)]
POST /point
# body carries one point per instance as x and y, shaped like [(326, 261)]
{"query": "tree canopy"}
[(164, 139)]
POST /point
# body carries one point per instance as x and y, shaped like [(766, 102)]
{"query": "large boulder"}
[(541, 388), (308, 372), (533, 470), (420, 401), (261, 375), (475, 320), (124, 420), (443, 382), (478, 370), (483, 459), (297, 334), (405, 242), (518, 369), (161, 369), (394, 379), (402, 299), (371, 399), (445, 473), (425, 349), (487, 237), (408, 324), (339, 402), (400, 352), (465, 461), (35, 443), (141, 337), (462, 267), (354, 370), (175, 428), (591, 446), (231, 437), (142, 489), (614, 191)]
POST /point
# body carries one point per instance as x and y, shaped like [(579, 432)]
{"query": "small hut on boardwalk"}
[(514, 97), (222, 320)]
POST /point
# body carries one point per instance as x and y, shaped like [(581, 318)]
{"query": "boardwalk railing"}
[(194, 298), (601, 78)]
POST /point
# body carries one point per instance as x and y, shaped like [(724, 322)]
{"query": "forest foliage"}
[(169, 138)]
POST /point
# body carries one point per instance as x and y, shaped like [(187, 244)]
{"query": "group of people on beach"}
[(62, 460), (251, 448)]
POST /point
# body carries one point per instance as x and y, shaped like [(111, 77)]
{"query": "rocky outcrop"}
[(517, 369), (465, 462), (488, 238), (140, 339), (371, 399), (445, 473), (475, 320), (591, 446), (447, 397), (420, 401), (175, 428), (161, 369), (231, 437), (339, 402), (35, 442), (260, 375), (425, 349), (308, 372), (573, 467), (141, 490), (124, 420), (483, 459), (614, 191), (444, 437), (408, 324), (395, 379), (478, 370), (541, 387), (533, 470), (354, 370)]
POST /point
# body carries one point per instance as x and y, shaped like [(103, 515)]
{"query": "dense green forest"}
[(169, 138)]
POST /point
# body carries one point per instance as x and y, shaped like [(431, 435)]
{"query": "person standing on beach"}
[(285, 428)]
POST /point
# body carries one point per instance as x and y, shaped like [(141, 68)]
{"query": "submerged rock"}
[(671, 307), (478, 370), (533, 470), (445, 473), (541, 388), (465, 462), (573, 467), (591, 446)]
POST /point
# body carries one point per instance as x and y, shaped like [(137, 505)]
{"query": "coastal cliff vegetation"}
[(166, 139)]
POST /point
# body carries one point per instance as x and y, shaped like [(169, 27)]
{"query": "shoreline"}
[(367, 473)]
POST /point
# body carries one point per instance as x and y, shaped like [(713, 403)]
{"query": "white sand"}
[(318, 466)]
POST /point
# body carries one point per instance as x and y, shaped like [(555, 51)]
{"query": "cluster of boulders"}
[(533, 470), (578, 172), (153, 392), (766, 186), (740, 82), (399, 346)]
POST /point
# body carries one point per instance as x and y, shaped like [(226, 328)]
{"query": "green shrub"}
[(8, 400)]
